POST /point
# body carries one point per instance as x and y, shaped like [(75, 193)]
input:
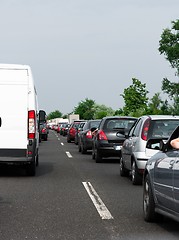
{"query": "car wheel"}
[(93, 153), (148, 201), (68, 140), (123, 171), (83, 149), (136, 177), (98, 157), (79, 147)]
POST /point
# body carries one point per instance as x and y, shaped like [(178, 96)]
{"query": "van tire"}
[(31, 169)]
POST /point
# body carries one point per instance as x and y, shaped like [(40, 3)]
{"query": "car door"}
[(129, 144), (176, 182), (163, 179)]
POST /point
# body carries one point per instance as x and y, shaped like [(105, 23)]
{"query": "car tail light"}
[(44, 130), (31, 124), (89, 134), (102, 135), (145, 129)]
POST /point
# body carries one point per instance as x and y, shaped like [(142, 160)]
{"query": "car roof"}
[(122, 117), (158, 117)]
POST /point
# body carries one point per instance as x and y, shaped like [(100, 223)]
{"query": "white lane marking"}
[(100, 206), (62, 144), (68, 154)]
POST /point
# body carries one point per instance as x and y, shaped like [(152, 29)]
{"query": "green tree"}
[(169, 45), (55, 114), (135, 98), (102, 111), (172, 89), (85, 109), (154, 105)]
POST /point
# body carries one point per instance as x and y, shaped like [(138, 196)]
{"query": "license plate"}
[(117, 147)]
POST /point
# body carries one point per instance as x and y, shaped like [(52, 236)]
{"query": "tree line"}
[(136, 101)]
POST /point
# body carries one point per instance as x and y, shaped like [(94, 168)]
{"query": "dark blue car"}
[(161, 180)]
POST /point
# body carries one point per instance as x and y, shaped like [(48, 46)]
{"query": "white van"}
[(19, 134)]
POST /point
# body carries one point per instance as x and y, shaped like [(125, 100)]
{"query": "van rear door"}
[(13, 108)]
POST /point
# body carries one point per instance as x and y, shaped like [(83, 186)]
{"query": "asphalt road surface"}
[(73, 198)]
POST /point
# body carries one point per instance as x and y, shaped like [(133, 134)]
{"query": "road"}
[(73, 198)]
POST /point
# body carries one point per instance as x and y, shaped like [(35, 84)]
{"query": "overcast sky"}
[(80, 49)]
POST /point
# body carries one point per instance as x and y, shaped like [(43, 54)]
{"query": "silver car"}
[(134, 154)]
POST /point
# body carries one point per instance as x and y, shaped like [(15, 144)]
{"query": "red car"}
[(72, 130)]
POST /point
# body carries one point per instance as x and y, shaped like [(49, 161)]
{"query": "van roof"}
[(13, 66)]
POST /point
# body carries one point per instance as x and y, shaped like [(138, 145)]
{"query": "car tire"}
[(98, 157), (79, 147), (93, 154), (123, 171), (148, 201), (83, 149), (135, 176), (68, 140)]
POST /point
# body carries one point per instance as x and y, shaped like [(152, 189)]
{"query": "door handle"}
[(171, 164), (0, 121)]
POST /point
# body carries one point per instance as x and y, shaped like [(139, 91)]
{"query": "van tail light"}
[(145, 129), (89, 134), (102, 135), (31, 124)]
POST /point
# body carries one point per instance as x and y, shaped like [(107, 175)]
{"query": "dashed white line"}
[(68, 154), (62, 144), (100, 206)]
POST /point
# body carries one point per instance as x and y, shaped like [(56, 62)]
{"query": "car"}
[(43, 132), (110, 135), (62, 126), (134, 154), (65, 129), (86, 134), (72, 130), (161, 180), (80, 128)]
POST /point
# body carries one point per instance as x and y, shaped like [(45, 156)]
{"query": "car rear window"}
[(94, 124), (162, 128), (117, 123)]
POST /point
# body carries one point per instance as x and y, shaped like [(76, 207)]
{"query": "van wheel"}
[(31, 169), (136, 177), (37, 160)]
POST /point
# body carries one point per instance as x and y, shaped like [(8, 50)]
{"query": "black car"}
[(43, 132), (110, 135), (161, 180), (85, 136), (80, 128)]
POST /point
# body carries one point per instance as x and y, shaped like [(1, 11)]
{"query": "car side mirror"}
[(156, 144)]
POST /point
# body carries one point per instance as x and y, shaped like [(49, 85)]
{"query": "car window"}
[(136, 128), (94, 124), (163, 128), (117, 123)]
